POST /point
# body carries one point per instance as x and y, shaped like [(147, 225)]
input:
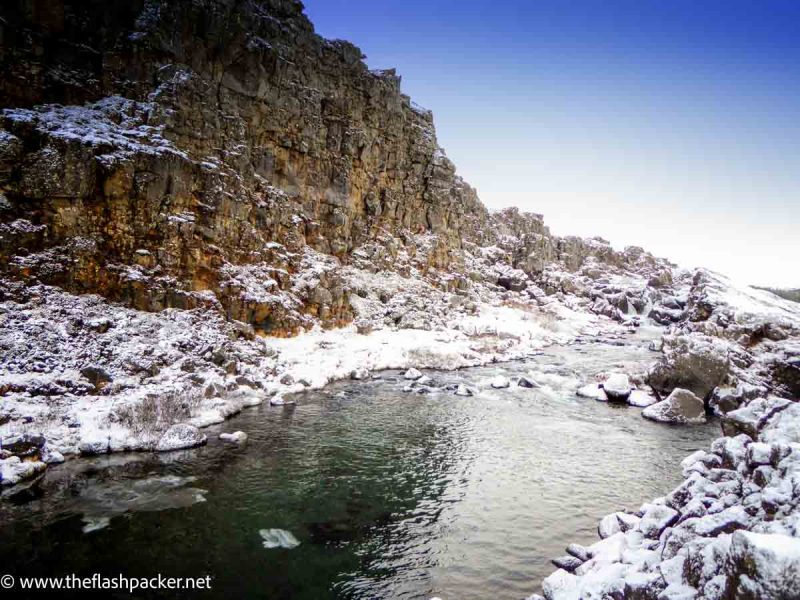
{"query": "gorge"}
[(208, 211)]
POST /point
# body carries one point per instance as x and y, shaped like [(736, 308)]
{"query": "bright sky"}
[(670, 125)]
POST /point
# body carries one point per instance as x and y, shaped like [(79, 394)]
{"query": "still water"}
[(390, 494)]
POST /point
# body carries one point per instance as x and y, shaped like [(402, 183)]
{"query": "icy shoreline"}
[(731, 529), (104, 378)]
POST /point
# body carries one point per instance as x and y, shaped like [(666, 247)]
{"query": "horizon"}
[(644, 124)]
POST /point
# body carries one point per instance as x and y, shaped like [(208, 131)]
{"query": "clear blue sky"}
[(674, 125)]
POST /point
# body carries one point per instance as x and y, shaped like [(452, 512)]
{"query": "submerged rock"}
[(237, 437), (278, 538), (681, 407), (179, 436)]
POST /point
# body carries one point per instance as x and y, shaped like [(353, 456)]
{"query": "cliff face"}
[(220, 153)]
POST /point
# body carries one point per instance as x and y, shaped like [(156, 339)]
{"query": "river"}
[(390, 494)]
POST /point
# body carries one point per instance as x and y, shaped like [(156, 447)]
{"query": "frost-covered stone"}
[(412, 374), (763, 566), (179, 436), (609, 525), (500, 382), (237, 437), (680, 407), (568, 563), (580, 552), (641, 399), (359, 374), (656, 518), (617, 387), (527, 382), (278, 538), (759, 454), (14, 469), (51, 457), (463, 390), (592, 390)]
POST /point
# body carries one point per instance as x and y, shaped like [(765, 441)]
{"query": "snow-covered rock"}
[(500, 382), (179, 436), (641, 398), (14, 469), (237, 437), (463, 390), (656, 518), (617, 387), (527, 382), (763, 565), (592, 390), (278, 538), (680, 407), (359, 374), (412, 374)]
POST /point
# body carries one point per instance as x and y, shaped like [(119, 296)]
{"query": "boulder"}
[(568, 563), (525, 382), (359, 374), (592, 390), (641, 398), (500, 382), (13, 470), (412, 374), (179, 436), (23, 445), (680, 407), (463, 390), (656, 518), (580, 552), (763, 565), (608, 526), (617, 387), (695, 363)]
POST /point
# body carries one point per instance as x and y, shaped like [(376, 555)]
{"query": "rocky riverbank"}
[(732, 528)]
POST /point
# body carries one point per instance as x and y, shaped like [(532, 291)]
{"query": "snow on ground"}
[(94, 377)]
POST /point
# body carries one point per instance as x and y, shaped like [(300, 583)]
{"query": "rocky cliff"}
[(220, 154)]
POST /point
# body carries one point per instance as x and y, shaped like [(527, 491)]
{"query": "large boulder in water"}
[(693, 362), (681, 407)]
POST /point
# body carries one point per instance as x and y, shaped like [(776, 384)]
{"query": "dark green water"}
[(390, 494)]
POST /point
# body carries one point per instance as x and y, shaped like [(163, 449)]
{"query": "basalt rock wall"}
[(220, 153)]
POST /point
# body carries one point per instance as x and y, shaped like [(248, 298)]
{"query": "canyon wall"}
[(220, 153)]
